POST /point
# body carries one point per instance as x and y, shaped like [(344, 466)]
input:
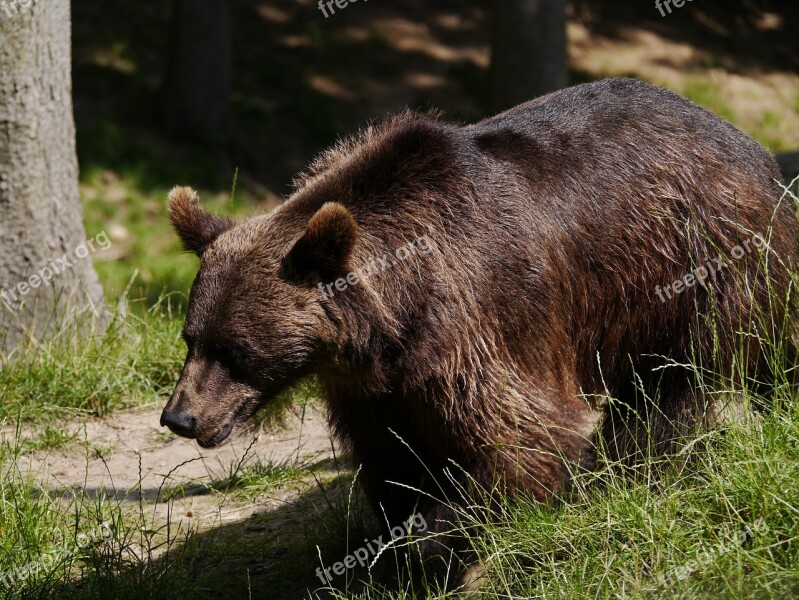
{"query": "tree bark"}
[(528, 50), (197, 87), (41, 219)]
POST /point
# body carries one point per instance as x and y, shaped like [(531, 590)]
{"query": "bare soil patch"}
[(131, 458)]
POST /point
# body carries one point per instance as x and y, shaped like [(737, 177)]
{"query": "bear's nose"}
[(181, 423)]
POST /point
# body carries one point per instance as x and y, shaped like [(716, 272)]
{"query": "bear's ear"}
[(324, 250), (196, 227)]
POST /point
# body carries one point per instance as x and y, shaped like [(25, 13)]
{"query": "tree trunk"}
[(41, 221), (196, 89), (529, 50), (789, 165)]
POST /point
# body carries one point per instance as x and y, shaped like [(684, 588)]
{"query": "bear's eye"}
[(227, 355), (232, 358), (224, 354)]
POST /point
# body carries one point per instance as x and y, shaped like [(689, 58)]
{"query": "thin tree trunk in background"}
[(789, 165), (528, 50), (41, 218), (197, 87)]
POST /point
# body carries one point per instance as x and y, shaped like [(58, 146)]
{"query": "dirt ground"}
[(130, 457)]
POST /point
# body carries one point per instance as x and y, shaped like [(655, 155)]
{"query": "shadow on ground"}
[(272, 554)]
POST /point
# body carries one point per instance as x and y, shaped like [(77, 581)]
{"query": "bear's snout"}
[(206, 403), (178, 416), (180, 422)]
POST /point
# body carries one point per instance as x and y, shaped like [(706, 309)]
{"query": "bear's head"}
[(256, 321)]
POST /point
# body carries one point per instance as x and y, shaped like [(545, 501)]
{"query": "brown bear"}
[(470, 297)]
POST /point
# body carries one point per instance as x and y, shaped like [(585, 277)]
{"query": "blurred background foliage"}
[(299, 81)]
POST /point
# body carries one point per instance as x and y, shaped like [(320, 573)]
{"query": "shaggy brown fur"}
[(551, 226)]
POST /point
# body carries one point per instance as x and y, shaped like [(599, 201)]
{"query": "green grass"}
[(770, 129), (728, 526), (125, 178), (258, 477), (137, 359), (707, 95)]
